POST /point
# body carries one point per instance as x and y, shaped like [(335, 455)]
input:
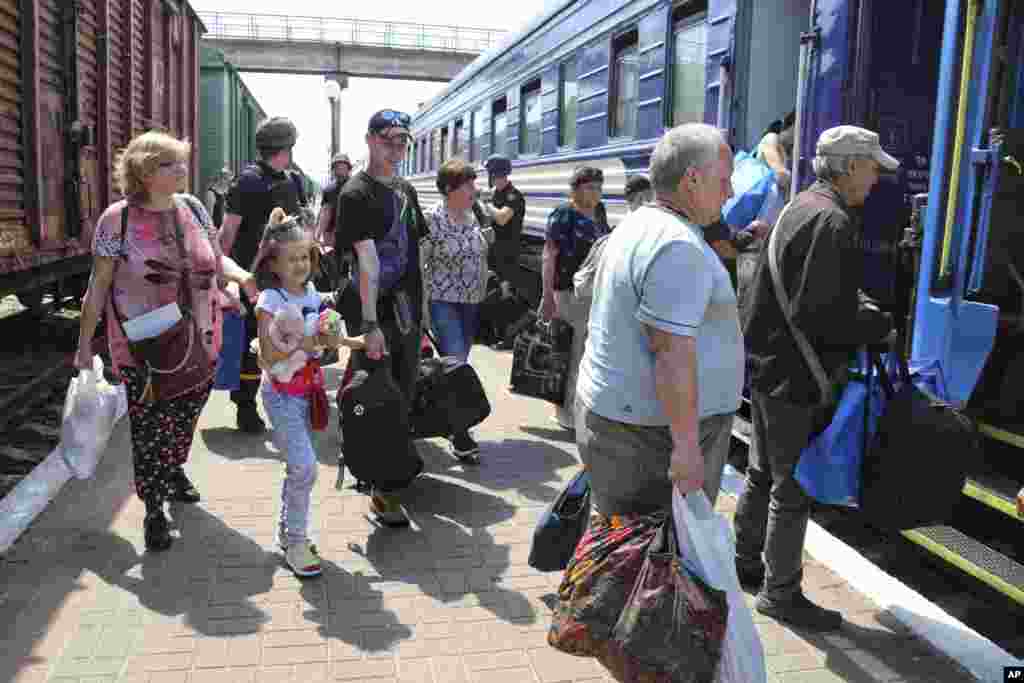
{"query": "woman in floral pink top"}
[(137, 262)]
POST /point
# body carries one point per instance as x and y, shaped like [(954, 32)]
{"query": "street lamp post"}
[(333, 91)]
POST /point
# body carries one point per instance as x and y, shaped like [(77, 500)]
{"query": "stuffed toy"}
[(287, 330), (331, 323)]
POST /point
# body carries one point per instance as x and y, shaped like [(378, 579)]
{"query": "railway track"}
[(36, 349)]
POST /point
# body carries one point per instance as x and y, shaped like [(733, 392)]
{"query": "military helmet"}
[(498, 165), (276, 133)]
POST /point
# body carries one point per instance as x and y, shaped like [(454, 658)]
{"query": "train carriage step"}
[(995, 491), (1012, 438), (972, 557)]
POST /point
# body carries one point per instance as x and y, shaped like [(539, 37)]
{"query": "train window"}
[(443, 152), (529, 137), (689, 49), (568, 95), (499, 134), (625, 84), (458, 139), (478, 134)]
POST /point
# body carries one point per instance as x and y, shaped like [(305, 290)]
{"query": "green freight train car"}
[(229, 115)]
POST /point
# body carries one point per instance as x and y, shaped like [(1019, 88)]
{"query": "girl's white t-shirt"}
[(270, 302)]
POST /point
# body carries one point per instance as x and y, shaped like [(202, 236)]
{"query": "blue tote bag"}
[(752, 182), (229, 363), (829, 469)]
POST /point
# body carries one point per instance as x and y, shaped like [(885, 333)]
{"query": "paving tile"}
[(452, 600), (295, 655)]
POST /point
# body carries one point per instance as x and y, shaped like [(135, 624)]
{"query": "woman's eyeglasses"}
[(173, 165)]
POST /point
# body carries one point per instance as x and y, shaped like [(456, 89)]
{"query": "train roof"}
[(554, 8)]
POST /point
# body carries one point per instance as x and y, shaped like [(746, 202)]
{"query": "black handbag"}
[(561, 526), (540, 360), (914, 468), (449, 398)]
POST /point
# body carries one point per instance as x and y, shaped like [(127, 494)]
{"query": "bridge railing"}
[(396, 34)]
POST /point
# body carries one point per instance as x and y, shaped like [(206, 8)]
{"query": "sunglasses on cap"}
[(389, 118)]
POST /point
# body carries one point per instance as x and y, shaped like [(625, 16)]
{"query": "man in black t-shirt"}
[(380, 220), (254, 193)]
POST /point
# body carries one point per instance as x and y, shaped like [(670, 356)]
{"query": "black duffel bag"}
[(914, 468), (540, 360), (449, 398), (374, 421)]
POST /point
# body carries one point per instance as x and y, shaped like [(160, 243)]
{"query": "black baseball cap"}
[(586, 174), (389, 118)]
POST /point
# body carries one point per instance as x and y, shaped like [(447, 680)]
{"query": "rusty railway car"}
[(79, 78)]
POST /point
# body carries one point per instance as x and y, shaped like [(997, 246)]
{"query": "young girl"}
[(283, 268)]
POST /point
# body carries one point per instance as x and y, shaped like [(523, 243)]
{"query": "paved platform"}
[(452, 600)]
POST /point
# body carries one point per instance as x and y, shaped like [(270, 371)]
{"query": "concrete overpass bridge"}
[(339, 48)]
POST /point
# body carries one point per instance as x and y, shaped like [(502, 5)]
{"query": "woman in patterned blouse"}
[(454, 258)]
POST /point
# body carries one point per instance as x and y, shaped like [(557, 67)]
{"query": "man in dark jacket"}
[(820, 259)]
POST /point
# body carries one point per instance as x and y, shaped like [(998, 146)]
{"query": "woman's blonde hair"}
[(142, 157)]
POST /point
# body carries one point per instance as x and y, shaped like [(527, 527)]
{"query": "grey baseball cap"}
[(855, 141)]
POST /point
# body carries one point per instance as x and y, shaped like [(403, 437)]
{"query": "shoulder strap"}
[(124, 227), (299, 186), (191, 201), (825, 386)]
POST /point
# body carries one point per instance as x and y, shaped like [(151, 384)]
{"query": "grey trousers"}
[(629, 463), (772, 513), (577, 314)]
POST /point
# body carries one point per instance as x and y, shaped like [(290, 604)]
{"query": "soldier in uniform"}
[(341, 169), (255, 192), (505, 211)]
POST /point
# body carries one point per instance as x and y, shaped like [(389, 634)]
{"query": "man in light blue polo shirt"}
[(662, 372)]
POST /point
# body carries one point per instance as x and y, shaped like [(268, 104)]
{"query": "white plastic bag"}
[(708, 549), (91, 409)]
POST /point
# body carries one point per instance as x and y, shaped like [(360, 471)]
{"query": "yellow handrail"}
[(958, 145)]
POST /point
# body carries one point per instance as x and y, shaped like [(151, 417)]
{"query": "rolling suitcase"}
[(449, 398)]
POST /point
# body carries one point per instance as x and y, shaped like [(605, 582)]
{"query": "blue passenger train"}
[(598, 81)]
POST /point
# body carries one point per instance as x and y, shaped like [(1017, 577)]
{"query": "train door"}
[(993, 241), (875, 66)]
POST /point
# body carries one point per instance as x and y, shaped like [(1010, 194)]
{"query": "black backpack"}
[(374, 420)]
